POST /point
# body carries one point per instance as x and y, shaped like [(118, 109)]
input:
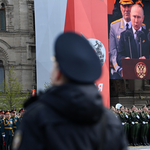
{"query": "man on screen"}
[(134, 42), (116, 28), (144, 3)]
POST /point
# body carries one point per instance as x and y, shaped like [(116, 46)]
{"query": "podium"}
[(136, 68)]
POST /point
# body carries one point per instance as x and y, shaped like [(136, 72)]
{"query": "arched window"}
[(2, 18), (1, 75)]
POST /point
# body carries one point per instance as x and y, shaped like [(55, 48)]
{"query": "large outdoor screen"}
[(129, 47)]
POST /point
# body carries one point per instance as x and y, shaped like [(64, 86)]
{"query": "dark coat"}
[(68, 117), (124, 49)]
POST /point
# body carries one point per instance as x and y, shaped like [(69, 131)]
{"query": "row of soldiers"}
[(136, 124), (9, 123)]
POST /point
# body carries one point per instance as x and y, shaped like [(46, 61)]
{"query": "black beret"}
[(77, 58)]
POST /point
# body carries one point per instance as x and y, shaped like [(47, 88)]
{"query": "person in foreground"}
[(70, 115)]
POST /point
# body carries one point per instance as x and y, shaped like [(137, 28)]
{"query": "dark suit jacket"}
[(124, 49)]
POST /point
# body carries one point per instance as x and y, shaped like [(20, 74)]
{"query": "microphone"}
[(128, 36), (140, 37)]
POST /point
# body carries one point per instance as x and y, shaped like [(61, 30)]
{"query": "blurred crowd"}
[(9, 123)]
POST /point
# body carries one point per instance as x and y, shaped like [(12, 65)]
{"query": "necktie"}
[(127, 26), (137, 45)]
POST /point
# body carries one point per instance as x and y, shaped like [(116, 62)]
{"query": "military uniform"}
[(7, 130), (144, 127), (148, 137), (15, 121), (134, 126), (1, 141), (1, 138), (116, 28), (124, 119), (19, 119)]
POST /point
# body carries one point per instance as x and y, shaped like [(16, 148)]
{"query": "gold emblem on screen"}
[(141, 70)]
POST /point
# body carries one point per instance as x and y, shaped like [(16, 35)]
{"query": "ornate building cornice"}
[(5, 54)]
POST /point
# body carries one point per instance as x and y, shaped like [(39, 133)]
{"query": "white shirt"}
[(129, 23), (135, 31)]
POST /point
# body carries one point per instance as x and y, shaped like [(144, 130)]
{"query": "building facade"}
[(17, 49), (17, 41), (130, 92)]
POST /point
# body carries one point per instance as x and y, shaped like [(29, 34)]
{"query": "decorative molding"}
[(30, 1), (5, 54), (19, 48), (30, 14), (9, 17), (6, 44)]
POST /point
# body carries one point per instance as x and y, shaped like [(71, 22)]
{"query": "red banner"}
[(89, 18)]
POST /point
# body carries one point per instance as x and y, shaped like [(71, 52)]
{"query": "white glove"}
[(143, 122), (123, 123), (132, 122), (3, 135), (138, 116)]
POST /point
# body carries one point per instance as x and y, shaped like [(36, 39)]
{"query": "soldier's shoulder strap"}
[(118, 20)]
